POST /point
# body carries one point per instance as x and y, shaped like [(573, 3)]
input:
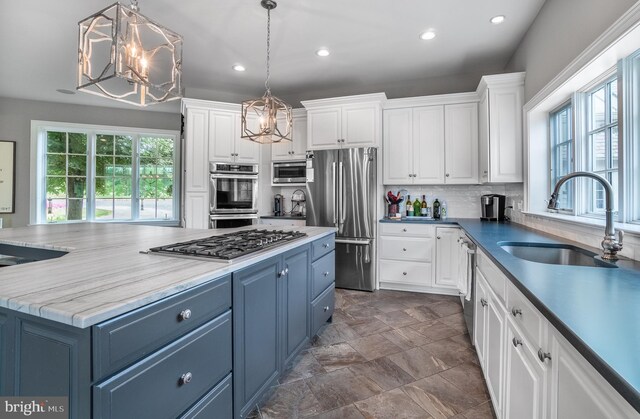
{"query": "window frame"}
[(38, 205), (569, 104)]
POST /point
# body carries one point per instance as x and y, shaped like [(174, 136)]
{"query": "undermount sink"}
[(17, 255), (555, 254)]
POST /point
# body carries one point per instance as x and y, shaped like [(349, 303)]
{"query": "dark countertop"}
[(284, 217), (596, 309)]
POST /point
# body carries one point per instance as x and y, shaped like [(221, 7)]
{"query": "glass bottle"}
[(436, 209), (416, 207), (443, 210), (423, 207), (409, 206)]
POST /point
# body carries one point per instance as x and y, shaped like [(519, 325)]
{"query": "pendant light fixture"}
[(267, 119), (124, 55)]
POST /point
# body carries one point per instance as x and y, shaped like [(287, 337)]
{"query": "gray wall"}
[(560, 32), (15, 125)]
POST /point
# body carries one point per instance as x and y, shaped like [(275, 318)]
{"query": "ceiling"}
[(374, 46)]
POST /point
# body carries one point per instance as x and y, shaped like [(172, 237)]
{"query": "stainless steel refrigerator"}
[(341, 193)]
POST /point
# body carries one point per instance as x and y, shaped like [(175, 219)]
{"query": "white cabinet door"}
[(505, 134), (361, 125), (483, 136), (299, 146), (480, 304), (324, 128), (461, 143), (494, 356), (524, 378), (447, 257), (246, 151), (281, 151), (577, 390), (196, 210), (396, 152), (222, 131), (196, 151), (428, 145)]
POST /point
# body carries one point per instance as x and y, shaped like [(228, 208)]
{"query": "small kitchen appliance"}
[(278, 205), (290, 172), (298, 200), (492, 207)]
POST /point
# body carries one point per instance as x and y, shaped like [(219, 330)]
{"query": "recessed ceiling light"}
[(496, 20), (323, 52), (66, 91), (427, 35), (238, 67)]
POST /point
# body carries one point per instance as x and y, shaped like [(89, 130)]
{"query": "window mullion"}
[(135, 178), (91, 175)]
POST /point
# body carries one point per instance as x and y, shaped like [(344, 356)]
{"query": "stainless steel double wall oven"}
[(233, 194)]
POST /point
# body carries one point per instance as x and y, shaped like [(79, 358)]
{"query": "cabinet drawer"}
[(323, 246), (496, 279), (218, 403), (525, 316), (323, 273), (406, 248), (414, 273), (322, 308), (153, 387), (125, 339), (407, 229)]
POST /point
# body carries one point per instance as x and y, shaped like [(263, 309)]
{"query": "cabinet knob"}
[(184, 315), (543, 355), (404, 273), (485, 172), (516, 342), (447, 175), (282, 273), (185, 379), (326, 308), (325, 273), (404, 249), (438, 237), (325, 245), (404, 229), (483, 302), (516, 312)]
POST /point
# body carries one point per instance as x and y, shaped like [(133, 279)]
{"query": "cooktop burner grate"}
[(229, 246)]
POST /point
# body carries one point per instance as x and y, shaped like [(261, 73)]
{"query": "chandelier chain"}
[(266, 82)]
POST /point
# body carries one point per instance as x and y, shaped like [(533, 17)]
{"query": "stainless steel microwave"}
[(289, 172)]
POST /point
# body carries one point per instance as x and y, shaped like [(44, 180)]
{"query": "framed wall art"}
[(7, 177)]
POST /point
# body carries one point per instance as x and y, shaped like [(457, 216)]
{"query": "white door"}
[(299, 146), (496, 315), (483, 136), (281, 150), (246, 151), (324, 128), (396, 152), (361, 125), (447, 248), (196, 210), (196, 145), (524, 378), (505, 138), (461, 143), (480, 304), (428, 145), (222, 131)]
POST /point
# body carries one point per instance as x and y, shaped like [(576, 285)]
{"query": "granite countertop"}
[(284, 217), (596, 309), (105, 275)]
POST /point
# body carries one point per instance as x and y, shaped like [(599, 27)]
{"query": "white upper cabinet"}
[(461, 143), (500, 121), (351, 121), (222, 129), (196, 145), (297, 148), (431, 145), (246, 151)]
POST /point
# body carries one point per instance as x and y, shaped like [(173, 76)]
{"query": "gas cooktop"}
[(229, 246)]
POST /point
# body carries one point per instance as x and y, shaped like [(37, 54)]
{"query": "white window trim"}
[(36, 184), (617, 42)]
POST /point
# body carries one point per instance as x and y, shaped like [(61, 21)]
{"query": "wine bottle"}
[(436, 209), (443, 210), (416, 207), (423, 207), (409, 206)]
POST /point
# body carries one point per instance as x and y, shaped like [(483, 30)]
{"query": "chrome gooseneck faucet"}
[(610, 244)]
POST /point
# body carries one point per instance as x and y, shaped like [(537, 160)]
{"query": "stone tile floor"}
[(387, 354)]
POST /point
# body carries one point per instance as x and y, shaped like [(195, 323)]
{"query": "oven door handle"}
[(234, 176), (233, 216), (213, 194)]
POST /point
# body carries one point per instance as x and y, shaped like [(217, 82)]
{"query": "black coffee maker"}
[(278, 205), (492, 207)]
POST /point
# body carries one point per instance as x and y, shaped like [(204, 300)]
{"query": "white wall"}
[(560, 32), (15, 125)]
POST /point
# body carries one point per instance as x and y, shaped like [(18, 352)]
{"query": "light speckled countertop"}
[(105, 275)]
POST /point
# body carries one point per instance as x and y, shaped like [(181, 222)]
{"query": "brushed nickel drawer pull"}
[(543, 355), (185, 379), (326, 308), (483, 302), (516, 342), (325, 273), (516, 312), (184, 315)]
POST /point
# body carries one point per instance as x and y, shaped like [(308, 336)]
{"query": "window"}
[(105, 174), (561, 136)]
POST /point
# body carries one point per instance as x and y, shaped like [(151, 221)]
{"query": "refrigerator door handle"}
[(335, 194), (341, 192)]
